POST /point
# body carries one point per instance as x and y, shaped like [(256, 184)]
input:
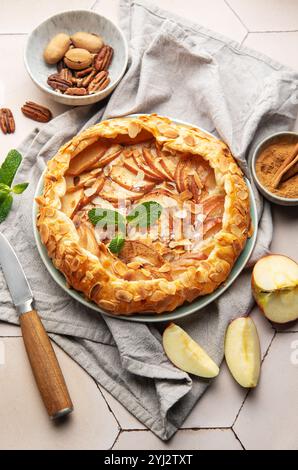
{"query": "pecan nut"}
[(84, 72), (66, 74), (57, 83), (99, 82), (36, 112), (76, 91), (103, 59), (7, 123), (88, 78)]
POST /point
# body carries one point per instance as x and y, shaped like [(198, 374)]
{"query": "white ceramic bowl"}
[(282, 201), (70, 22)]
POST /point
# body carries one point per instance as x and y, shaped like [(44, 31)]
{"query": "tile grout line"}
[(13, 34), (273, 31), (237, 438), (236, 14), (243, 40), (109, 408), (93, 5)]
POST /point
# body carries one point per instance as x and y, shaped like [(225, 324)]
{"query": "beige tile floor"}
[(226, 417)]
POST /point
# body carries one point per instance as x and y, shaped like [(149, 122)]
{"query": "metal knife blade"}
[(15, 277)]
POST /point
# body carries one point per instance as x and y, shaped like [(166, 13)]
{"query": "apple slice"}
[(275, 288), (125, 178), (243, 352), (142, 165), (87, 158), (130, 164), (150, 158), (186, 354), (70, 202)]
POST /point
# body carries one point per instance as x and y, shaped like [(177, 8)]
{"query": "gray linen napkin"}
[(181, 70)]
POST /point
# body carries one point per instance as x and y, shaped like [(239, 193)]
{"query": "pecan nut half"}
[(36, 112), (66, 74), (99, 82), (76, 91), (103, 59), (7, 123), (84, 72), (58, 83)]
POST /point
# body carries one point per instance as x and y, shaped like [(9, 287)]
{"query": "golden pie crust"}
[(196, 168)]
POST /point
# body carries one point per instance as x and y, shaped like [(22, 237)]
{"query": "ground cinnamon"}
[(270, 161)]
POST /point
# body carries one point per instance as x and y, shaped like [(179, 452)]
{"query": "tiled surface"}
[(266, 15), (21, 16), (24, 421), (279, 46), (268, 417), (9, 330), (202, 439)]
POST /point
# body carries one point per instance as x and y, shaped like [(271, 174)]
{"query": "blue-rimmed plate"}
[(180, 312)]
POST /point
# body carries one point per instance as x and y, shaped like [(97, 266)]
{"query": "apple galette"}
[(141, 214)]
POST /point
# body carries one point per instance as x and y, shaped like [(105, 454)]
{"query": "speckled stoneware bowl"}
[(282, 201), (70, 22)]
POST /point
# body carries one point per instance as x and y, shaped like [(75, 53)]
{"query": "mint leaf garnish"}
[(5, 207), (116, 244), (145, 214), (20, 188), (106, 218), (9, 167)]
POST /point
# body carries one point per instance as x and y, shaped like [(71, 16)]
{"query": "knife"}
[(44, 363)]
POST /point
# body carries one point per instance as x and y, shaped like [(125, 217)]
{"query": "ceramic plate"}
[(180, 312)]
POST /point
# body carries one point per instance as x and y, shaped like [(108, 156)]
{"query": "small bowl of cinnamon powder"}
[(275, 168)]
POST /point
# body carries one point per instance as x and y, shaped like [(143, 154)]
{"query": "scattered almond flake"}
[(189, 140), (165, 268), (146, 272), (96, 171), (89, 182), (133, 129), (89, 192), (181, 214), (198, 180), (141, 260), (169, 132), (242, 195), (134, 265), (184, 242), (107, 169)]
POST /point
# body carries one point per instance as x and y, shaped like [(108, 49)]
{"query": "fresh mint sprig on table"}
[(143, 215), (8, 171)]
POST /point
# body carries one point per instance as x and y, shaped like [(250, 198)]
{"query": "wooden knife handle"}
[(45, 366)]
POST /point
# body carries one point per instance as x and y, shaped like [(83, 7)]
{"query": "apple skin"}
[(272, 303), (243, 351), (186, 354)]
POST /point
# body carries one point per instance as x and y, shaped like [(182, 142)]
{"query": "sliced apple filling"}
[(121, 177)]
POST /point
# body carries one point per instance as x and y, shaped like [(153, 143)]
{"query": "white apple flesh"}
[(186, 354), (275, 288), (243, 352)]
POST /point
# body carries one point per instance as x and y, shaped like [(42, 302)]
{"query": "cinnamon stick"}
[(288, 165)]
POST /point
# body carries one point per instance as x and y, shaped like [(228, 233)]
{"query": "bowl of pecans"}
[(78, 57)]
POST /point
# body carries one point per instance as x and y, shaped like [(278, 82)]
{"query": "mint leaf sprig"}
[(143, 215), (8, 171)]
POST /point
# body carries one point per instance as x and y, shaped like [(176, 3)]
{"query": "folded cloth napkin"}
[(181, 70)]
